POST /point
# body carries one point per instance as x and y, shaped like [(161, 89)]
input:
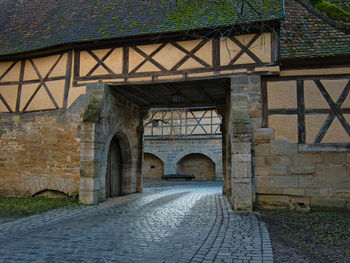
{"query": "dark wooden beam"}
[(301, 112), (130, 96), (76, 64), (149, 58), (125, 60), (150, 95), (67, 78), (174, 88), (216, 52), (20, 83), (307, 111), (201, 90), (102, 60), (264, 102), (5, 103), (8, 70), (245, 49), (332, 115), (43, 81), (335, 108), (190, 54)]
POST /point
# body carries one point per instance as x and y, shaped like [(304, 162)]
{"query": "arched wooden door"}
[(114, 169)]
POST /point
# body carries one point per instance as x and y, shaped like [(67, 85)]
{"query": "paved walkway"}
[(184, 223)]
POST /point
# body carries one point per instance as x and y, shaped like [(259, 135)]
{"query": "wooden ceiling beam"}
[(132, 97), (150, 95), (202, 90), (172, 87)]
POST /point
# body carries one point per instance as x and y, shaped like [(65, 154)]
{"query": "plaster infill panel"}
[(74, 94), (335, 133), (113, 61), (285, 126), (43, 65), (282, 94), (314, 98), (260, 48), (9, 93), (12, 74), (41, 100)]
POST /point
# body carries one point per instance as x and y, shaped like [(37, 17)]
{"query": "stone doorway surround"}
[(108, 116)]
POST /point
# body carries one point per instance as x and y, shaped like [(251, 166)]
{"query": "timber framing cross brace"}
[(186, 123), (335, 110), (161, 70), (40, 79)]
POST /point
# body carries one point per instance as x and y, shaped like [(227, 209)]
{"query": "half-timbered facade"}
[(73, 105), (183, 140)]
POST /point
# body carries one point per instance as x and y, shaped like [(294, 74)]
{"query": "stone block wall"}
[(39, 151), (153, 167), (199, 165), (299, 176), (170, 152), (116, 117)]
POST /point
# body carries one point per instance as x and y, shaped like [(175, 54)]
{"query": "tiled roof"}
[(27, 25), (305, 36)]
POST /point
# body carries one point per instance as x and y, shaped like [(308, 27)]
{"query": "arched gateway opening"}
[(114, 174), (153, 167), (199, 165)]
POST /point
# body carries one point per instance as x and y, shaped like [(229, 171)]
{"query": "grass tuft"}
[(13, 207)]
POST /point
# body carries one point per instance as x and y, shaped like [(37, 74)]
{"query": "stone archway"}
[(118, 163), (114, 174), (198, 164), (153, 166)]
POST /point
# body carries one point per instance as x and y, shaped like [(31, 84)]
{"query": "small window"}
[(152, 166), (155, 123)]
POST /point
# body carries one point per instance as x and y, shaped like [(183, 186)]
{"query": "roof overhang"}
[(264, 26)]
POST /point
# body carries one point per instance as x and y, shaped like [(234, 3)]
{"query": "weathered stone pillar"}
[(140, 141), (226, 129), (90, 152), (89, 164), (242, 195)]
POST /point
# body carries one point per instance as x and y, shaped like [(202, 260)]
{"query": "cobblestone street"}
[(189, 222)]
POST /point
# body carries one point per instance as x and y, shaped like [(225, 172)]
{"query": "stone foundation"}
[(296, 176)]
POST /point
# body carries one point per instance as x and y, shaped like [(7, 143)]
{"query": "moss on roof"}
[(27, 25), (303, 35), (34, 24)]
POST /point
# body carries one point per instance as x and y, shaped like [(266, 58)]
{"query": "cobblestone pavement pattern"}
[(184, 223)]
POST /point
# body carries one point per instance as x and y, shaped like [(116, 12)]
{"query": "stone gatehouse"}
[(74, 93)]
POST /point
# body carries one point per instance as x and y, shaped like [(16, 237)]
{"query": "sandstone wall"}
[(199, 165), (172, 151), (39, 151), (117, 117), (297, 176), (153, 167)]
